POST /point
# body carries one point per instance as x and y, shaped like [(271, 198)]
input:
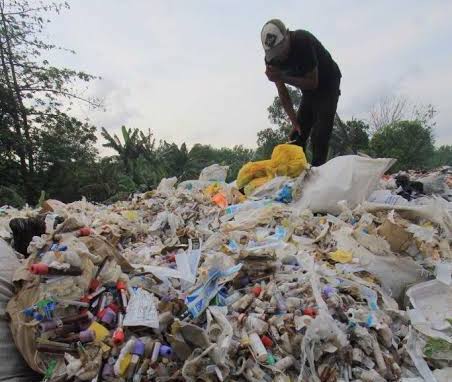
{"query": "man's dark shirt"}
[(306, 53)]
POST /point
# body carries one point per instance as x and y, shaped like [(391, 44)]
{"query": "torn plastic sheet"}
[(395, 273), (427, 234), (386, 197), (421, 324), (270, 188), (415, 354), (434, 209), (198, 301), (163, 273), (434, 300), (444, 273), (166, 186), (187, 263), (214, 172)]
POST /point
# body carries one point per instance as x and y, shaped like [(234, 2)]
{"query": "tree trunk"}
[(19, 114)]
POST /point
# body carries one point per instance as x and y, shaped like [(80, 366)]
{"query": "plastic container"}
[(258, 347)]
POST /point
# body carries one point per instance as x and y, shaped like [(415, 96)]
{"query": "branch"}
[(24, 11), (64, 94)]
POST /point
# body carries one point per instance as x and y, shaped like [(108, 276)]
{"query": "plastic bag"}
[(214, 172), (271, 188), (434, 184), (255, 183), (288, 160), (351, 178), (253, 170), (166, 186)]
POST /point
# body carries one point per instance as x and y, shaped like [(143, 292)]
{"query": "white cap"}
[(273, 34)]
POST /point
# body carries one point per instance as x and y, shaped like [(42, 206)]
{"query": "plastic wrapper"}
[(214, 172)]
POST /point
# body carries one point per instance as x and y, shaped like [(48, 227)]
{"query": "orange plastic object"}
[(220, 200)]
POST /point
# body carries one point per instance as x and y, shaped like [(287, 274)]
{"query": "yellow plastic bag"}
[(288, 160), (255, 183), (253, 170)]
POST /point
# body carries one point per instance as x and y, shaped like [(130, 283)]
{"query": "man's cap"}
[(273, 34)]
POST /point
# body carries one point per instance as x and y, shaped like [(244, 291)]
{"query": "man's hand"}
[(273, 73)]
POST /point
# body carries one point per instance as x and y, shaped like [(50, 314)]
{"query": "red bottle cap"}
[(310, 312), (84, 231), (268, 343), (120, 285), (257, 290), (118, 336), (39, 269)]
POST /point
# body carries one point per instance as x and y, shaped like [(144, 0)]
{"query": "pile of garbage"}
[(306, 279)]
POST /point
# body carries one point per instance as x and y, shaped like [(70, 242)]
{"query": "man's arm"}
[(309, 82), (287, 104)]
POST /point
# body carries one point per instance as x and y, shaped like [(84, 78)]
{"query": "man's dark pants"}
[(316, 118)]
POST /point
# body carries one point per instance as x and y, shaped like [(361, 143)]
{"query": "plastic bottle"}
[(255, 324), (137, 353), (108, 317), (44, 269), (280, 301), (241, 304), (118, 335), (83, 336), (258, 347), (121, 288), (155, 352), (284, 363)]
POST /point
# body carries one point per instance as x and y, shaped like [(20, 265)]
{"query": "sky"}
[(193, 71)]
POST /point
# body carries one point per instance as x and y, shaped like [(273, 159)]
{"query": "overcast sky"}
[(193, 71)]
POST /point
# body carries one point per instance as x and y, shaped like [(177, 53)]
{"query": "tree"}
[(391, 109), (235, 158), (349, 137), (32, 90), (138, 156), (442, 156), (269, 137), (276, 113), (174, 159), (410, 142), (64, 149)]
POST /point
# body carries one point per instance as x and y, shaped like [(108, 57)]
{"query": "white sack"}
[(351, 178)]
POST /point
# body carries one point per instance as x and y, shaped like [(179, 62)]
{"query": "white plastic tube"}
[(258, 347)]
